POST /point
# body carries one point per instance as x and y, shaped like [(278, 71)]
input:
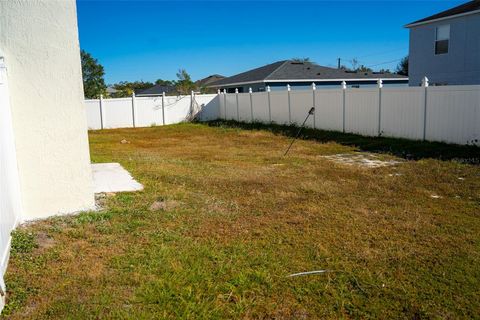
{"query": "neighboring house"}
[(300, 75), (445, 47), (111, 91), (203, 84), (156, 90)]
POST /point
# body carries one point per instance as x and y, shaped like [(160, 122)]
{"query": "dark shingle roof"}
[(156, 90), (463, 8), (292, 70), (208, 80), (258, 74)]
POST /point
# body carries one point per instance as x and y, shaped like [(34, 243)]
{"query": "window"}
[(442, 39)]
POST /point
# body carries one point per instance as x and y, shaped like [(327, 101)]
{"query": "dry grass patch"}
[(242, 218)]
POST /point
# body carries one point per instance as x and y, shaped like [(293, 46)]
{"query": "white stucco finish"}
[(39, 39)]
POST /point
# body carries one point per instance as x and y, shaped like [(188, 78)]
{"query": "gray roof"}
[(465, 8), (111, 90), (298, 71), (208, 80)]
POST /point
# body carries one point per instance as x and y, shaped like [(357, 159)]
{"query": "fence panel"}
[(453, 114), (148, 112), (223, 106), (361, 111), (279, 107), (231, 107), (177, 109), (402, 112), (301, 102), (210, 106), (117, 113), (260, 107), (94, 119), (244, 107), (329, 109)]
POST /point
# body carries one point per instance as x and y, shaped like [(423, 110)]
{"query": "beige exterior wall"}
[(39, 39)]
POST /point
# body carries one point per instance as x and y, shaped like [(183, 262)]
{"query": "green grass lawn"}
[(399, 242)]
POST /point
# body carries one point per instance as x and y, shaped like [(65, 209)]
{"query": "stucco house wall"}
[(39, 40), (460, 66)]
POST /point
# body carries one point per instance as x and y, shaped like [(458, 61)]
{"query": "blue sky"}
[(148, 40)]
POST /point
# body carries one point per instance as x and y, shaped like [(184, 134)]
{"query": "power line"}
[(386, 62), (380, 53), (373, 54)]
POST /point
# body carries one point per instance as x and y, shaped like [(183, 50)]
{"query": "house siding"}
[(460, 66)]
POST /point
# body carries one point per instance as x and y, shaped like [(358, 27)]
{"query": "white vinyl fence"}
[(448, 114), (10, 206), (150, 111)]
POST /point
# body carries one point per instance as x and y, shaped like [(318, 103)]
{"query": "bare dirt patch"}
[(44, 241), (164, 205), (365, 160)]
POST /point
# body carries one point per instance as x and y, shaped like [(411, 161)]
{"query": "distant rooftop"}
[(463, 9), (208, 80), (156, 90), (291, 70)]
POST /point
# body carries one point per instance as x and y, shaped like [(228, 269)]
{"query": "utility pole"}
[(339, 62)]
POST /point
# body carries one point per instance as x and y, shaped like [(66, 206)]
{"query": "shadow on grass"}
[(407, 149)]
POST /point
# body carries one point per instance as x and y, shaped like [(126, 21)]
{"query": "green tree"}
[(402, 67), (126, 88), (301, 60), (184, 84), (165, 82), (362, 68), (93, 73)]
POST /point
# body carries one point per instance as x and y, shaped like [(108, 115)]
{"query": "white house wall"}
[(460, 66), (40, 42)]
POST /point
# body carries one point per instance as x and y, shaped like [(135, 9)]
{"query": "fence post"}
[(344, 89), (133, 109), (163, 108), (101, 111), (380, 86), (192, 98), (225, 104), (314, 89), (219, 104), (269, 107), (251, 103), (236, 98), (425, 85), (289, 105)]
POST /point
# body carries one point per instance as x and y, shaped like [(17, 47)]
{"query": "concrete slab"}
[(112, 177)]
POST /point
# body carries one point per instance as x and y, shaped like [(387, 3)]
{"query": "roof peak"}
[(466, 8), (291, 70)]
